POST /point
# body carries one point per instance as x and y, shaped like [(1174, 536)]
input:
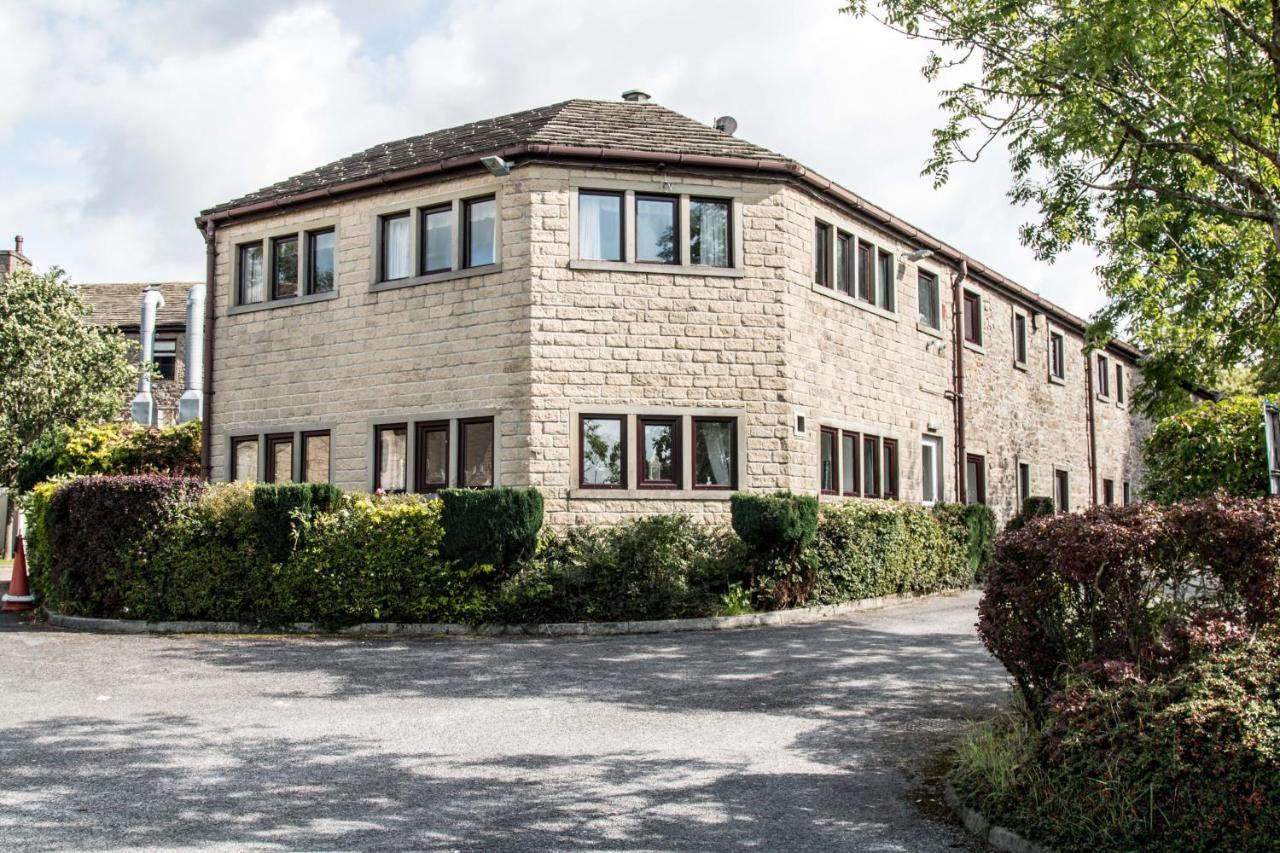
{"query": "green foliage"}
[(1144, 129), (110, 448), (54, 368), (282, 511), (1213, 446), (1032, 507), (35, 506), (496, 527), (974, 526), (777, 525)]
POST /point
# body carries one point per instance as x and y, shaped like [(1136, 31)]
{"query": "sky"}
[(122, 120)]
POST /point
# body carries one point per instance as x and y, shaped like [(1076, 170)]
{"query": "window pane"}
[(870, 465), (656, 230), (866, 287), (849, 463), (928, 471), (477, 455), (395, 247), (323, 245), (844, 262), (1119, 384), (481, 232), (659, 453), (392, 451), (973, 479), (890, 469), (284, 268), (599, 227), (713, 453), (602, 451), (820, 233), (315, 454), (433, 456), (437, 240), (828, 462), (884, 281), (246, 460), (251, 289), (709, 233), (972, 318), (281, 461), (164, 353), (1019, 338), (928, 299)]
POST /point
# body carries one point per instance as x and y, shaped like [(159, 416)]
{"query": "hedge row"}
[(110, 448), (166, 549)]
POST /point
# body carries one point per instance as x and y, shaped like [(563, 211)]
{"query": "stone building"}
[(637, 313)]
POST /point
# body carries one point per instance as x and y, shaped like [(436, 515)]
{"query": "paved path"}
[(798, 738)]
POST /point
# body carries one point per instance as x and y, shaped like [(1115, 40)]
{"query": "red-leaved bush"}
[(1120, 593)]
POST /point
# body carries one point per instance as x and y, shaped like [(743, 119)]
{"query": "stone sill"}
[(1057, 380), (450, 275), (978, 348), (1020, 365), (651, 494), (658, 269), (930, 330), (832, 293), (270, 304)]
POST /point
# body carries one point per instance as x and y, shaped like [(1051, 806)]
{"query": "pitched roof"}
[(121, 304), (634, 125)]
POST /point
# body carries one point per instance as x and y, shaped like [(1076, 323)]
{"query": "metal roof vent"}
[(635, 96), (727, 124)]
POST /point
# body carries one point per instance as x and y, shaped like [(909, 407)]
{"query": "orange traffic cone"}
[(19, 596)]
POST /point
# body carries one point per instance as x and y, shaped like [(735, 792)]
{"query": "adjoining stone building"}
[(636, 313)]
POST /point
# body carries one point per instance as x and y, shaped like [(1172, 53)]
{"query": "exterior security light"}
[(496, 165), (919, 255)]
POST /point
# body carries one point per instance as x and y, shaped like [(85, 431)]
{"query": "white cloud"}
[(136, 116)]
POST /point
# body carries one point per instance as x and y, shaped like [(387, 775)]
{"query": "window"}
[(321, 262), (931, 470), (659, 453), (715, 453), (437, 239), (656, 234), (870, 466), (284, 267), (475, 453), (1104, 376), (822, 254), (827, 466), (866, 286), (709, 241), (244, 459), (396, 248), (164, 354), (1126, 493), (1109, 492), (1019, 339), (431, 456), (1119, 383), (280, 458), (1057, 356), (930, 307), (600, 226), (975, 478), (315, 457), (251, 282), (844, 263), (884, 280), (972, 318), (603, 451), (480, 232), (1061, 491), (849, 463), (890, 447), (1024, 484), (390, 457)]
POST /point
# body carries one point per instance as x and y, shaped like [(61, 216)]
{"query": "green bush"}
[(1032, 507), (281, 509), (778, 525), (1213, 446), (973, 525), (496, 527), (110, 448)]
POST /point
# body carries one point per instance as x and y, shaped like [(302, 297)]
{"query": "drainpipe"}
[(957, 376), (206, 421), (143, 409), (1093, 429), (193, 389)]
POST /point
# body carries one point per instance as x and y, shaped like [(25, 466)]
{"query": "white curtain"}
[(718, 445), (392, 456), (589, 228), (396, 249), (253, 283), (713, 234)]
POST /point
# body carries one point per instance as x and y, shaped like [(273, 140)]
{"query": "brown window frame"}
[(311, 259), (835, 461), (677, 461), (865, 266), (382, 243), (241, 250), (733, 453), (885, 264), (1061, 489), (1021, 339), (582, 451), (857, 464), (1057, 355), (728, 205), (302, 454), (420, 429), (823, 275), (935, 303), (467, 204), (1024, 484), (235, 442), (972, 317), (378, 430), (276, 242), (423, 214), (622, 222), (1108, 491), (890, 479), (462, 451), (877, 480), (846, 240), (1104, 376), (676, 236), (1127, 492), (1119, 382), (980, 479), (270, 441)]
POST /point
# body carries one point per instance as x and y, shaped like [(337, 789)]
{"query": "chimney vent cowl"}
[(17, 243), (635, 96)]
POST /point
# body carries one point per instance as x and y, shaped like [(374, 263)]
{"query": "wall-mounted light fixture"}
[(496, 165)]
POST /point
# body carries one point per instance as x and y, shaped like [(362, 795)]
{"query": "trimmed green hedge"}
[(780, 524), (495, 527), (110, 448)]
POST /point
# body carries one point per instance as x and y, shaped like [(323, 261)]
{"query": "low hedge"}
[(495, 527), (110, 448)]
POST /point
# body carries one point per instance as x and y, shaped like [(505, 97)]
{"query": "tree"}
[(55, 370), (1213, 446), (1146, 129)]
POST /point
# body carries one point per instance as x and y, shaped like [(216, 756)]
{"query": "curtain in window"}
[(599, 228), (710, 224), (251, 262), (396, 248), (716, 440), (391, 455), (246, 461)]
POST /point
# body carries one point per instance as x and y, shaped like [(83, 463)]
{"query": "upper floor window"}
[(657, 230), (709, 232), (437, 239), (972, 318), (1019, 338), (822, 254), (1057, 356), (1104, 376), (844, 263), (884, 280), (480, 238), (396, 247), (929, 300), (866, 285), (600, 226), (284, 267), (251, 285), (164, 354), (1119, 383), (321, 260)]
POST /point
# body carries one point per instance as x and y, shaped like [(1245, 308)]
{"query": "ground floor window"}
[(244, 459), (602, 451), (1024, 484), (280, 458), (475, 453), (1128, 494), (316, 446), (1109, 492), (431, 460), (659, 441), (827, 461), (975, 478), (858, 464), (433, 453), (1061, 491), (931, 469), (390, 457), (715, 452)]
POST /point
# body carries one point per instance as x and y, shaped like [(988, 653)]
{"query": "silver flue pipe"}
[(144, 406), (191, 406)]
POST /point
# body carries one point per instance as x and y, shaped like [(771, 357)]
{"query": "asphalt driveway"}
[(797, 738)]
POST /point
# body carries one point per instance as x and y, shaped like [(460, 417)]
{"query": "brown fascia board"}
[(786, 168)]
